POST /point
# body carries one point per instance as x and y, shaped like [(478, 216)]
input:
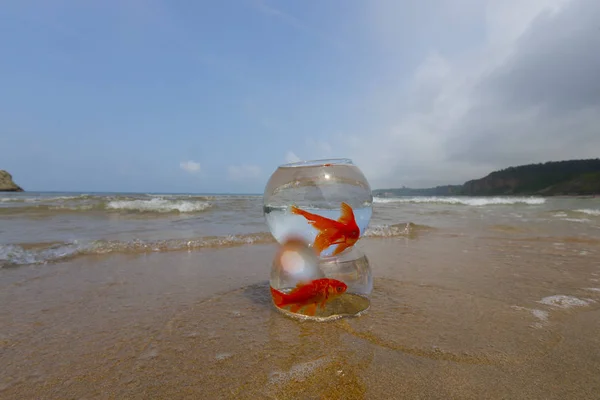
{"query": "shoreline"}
[(49, 253), (453, 316)]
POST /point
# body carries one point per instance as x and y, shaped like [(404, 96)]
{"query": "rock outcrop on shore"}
[(7, 184)]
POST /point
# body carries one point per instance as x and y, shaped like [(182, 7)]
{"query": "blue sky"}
[(211, 96)]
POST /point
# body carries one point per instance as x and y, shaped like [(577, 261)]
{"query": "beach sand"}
[(452, 317)]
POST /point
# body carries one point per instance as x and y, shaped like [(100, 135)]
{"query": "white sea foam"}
[(40, 199), (41, 253), (12, 254), (593, 289), (589, 211), (223, 356), (159, 205), (467, 201), (384, 231), (576, 219), (540, 315), (563, 301), (17, 255)]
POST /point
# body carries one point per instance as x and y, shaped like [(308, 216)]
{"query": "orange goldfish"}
[(309, 294), (344, 232)]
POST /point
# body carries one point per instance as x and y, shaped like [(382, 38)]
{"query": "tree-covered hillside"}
[(573, 177)]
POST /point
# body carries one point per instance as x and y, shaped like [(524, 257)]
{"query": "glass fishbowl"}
[(318, 210)]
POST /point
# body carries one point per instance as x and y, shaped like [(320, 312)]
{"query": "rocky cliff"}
[(7, 184)]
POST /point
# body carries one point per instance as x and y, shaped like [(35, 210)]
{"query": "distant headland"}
[(553, 178), (7, 184)]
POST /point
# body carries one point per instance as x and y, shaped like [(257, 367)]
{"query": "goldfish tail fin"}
[(278, 297), (295, 210), (323, 240), (341, 247), (317, 221), (347, 215)]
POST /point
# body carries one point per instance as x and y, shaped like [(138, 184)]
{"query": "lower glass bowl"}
[(305, 286)]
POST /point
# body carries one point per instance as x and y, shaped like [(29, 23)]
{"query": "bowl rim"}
[(318, 162)]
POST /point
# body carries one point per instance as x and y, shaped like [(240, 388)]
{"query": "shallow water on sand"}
[(452, 316)]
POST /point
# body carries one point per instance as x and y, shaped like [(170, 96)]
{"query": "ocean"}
[(43, 227)]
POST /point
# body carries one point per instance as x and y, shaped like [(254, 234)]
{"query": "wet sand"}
[(452, 317)]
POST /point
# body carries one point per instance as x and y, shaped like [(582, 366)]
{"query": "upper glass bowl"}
[(326, 202)]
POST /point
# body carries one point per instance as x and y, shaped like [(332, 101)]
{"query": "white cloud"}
[(524, 91), (190, 166), (291, 157), (243, 172)]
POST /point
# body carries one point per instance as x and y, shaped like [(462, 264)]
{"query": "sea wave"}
[(13, 255), (576, 219), (162, 204), (387, 231), (589, 211), (158, 205), (42, 253), (467, 201), (42, 199)]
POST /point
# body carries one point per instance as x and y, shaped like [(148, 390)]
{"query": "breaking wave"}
[(467, 201), (588, 211), (158, 205), (576, 219), (129, 204), (387, 231), (581, 215), (16, 199), (12, 255), (42, 253)]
